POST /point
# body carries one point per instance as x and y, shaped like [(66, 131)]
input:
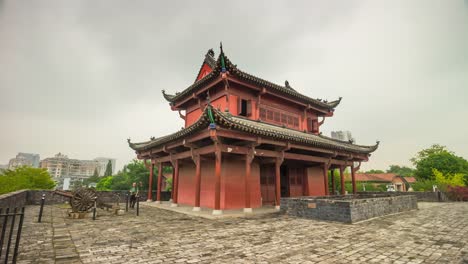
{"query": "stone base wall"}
[(349, 209), (33, 197), (421, 196)]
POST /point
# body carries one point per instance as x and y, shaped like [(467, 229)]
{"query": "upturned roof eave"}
[(259, 129), (234, 71)]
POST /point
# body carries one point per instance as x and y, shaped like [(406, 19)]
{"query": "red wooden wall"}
[(316, 185), (232, 184)]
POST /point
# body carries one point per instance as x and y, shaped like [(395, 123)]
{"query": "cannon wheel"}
[(83, 199)]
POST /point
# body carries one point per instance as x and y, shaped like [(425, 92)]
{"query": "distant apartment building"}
[(342, 135), (103, 164), (64, 169), (24, 159)]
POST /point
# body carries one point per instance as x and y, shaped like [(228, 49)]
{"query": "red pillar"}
[(353, 179), (158, 192), (175, 181), (217, 209), (278, 183), (333, 181), (343, 189), (197, 183), (150, 183), (325, 178), (248, 167)]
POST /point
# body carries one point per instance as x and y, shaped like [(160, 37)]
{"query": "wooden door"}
[(267, 184), (296, 181)]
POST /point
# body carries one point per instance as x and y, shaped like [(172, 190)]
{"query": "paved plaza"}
[(436, 233)]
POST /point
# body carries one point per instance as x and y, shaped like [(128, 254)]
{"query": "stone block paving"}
[(437, 233)]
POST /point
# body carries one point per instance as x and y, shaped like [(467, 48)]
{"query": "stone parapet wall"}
[(348, 209), (421, 196), (13, 199), (33, 197)]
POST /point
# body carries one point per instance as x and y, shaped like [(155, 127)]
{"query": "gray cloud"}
[(81, 76)]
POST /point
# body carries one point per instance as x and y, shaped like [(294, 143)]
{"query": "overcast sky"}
[(80, 77)]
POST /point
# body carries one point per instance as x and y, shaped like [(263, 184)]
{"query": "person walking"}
[(133, 194)]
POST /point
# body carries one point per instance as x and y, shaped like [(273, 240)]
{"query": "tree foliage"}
[(441, 180), (108, 171), (135, 171), (401, 170), (25, 178), (374, 171), (440, 158)]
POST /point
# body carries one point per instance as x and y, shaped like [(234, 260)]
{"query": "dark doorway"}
[(267, 183), (284, 179)]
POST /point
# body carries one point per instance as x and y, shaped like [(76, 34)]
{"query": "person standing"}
[(133, 193)]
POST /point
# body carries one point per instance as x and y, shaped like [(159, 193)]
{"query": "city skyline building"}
[(24, 159), (343, 136), (64, 169)]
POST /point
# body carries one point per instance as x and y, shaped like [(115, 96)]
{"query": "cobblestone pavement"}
[(437, 233)]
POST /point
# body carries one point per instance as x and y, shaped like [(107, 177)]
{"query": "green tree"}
[(25, 178), (440, 158), (108, 171), (169, 184), (374, 171), (401, 170), (135, 171)]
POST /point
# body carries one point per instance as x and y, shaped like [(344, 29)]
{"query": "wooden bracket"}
[(226, 84), (188, 144), (172, 160), (250, 156), (195, 156), (181, 115), (328, 163), (280, 159), (358, 167), (218, 151), (321, 122)]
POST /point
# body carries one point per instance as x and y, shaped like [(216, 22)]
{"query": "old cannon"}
[(82, 200)]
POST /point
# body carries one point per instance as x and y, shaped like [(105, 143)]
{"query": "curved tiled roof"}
[(232, 69), (226, 120)]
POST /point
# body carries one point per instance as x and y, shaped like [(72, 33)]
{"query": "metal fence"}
[(11, 223)]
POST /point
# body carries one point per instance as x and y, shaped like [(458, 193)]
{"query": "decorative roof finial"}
[(210, 52), (223, 64), (286, 83), (128, 140)]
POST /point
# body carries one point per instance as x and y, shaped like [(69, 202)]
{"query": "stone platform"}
[(208, 213), (436, 233)]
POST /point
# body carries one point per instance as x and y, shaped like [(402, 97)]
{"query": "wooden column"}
[(150, 183), (333, 181), (160, 175), (217, 209), (197, 161), (278, 182), (325, 177), (353, 179), (248, 167), (175, 182), (343, 189)]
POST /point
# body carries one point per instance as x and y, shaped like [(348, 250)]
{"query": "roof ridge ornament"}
[(223, 63), (210, 52)]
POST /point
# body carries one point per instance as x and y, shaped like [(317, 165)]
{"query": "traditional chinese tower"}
[(247, 142)]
